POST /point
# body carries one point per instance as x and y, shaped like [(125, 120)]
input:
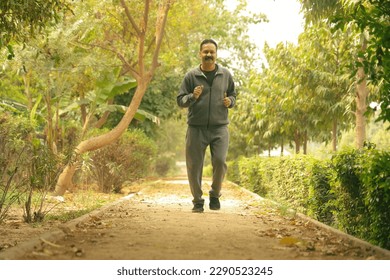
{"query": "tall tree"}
[(143, 34), (325, 57), (372, 18)]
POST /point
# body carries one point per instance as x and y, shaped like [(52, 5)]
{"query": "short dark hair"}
[(208, 41)]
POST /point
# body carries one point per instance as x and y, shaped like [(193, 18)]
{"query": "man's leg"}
[(219, 148), (195, 151)]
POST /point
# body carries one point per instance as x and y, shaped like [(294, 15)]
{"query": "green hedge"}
[(362, 189), (351, 191)]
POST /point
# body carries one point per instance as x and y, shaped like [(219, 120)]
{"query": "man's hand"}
[(198, 91), (227, 101)]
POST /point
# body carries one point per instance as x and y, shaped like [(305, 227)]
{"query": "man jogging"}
[(208, 92)]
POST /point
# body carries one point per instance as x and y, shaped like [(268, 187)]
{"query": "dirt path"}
[(157, 223)]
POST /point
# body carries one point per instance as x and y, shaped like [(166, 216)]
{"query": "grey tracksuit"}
[(207, 126)]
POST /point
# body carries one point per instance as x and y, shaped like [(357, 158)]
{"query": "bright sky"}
[(285, 21)]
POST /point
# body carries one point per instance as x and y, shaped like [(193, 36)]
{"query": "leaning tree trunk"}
[(361, 100)]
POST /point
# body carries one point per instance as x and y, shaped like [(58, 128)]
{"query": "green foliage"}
[(351, 191), (207, 170), (286, 179), (376, 179), (165, 164), (14, 135), (362, 190), (28, 168), (21, 18), (127, 159), (70, 215), (170, 137), (233, 171), (292, 178), (371, 18), (321, 196), (43, 171), (303, 93), (254, 175)]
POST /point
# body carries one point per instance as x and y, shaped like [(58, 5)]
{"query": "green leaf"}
[(35, 107), (122, 87)]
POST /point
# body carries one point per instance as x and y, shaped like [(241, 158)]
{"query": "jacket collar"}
[(199, 72)]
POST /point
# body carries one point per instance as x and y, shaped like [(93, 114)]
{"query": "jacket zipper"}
[(208, 119)]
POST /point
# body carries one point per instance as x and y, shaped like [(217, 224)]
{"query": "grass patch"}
[(68, 216)]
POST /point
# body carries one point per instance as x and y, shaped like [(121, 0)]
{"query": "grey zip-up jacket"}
[(208, 109)]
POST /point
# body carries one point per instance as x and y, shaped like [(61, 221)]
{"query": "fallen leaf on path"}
[(289, 241), (50, 243)]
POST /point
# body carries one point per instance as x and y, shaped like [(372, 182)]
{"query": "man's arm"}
[(185, 97), (231, 92)]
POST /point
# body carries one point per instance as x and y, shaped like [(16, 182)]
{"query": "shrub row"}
[(351, 191)]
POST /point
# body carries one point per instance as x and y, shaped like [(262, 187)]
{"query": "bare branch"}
[(160, 27), (126, 65), (130, 18), (146, 14), (100, 122), (141, 45)]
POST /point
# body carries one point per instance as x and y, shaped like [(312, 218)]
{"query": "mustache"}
[(208, 58)]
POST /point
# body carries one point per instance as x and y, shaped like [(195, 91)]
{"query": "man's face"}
[(208, 54)]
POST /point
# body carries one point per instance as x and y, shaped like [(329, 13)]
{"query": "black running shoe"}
[(198, 208), (214, 203)]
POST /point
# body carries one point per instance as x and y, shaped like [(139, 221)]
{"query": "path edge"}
[(16, 252)]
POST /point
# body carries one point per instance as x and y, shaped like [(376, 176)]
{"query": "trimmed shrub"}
[(362, 191), (252, 175), (207, 170), (233, 172), (375, 176), (128, 159), (286, 180), (165, 164), (351, 191), (348, 191), (292, 181), (321, 197)]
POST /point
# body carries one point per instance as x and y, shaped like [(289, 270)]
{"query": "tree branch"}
[(100, 122), (142, 37), (130, 18), (160, 27), (126, 65)]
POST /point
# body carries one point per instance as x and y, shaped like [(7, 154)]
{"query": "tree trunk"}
[(65, 179), (305, 143), (334, 135), (297, 142), (361, 98), (281, 148)]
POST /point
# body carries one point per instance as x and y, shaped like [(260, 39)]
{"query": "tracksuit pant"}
[(197, 140)]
